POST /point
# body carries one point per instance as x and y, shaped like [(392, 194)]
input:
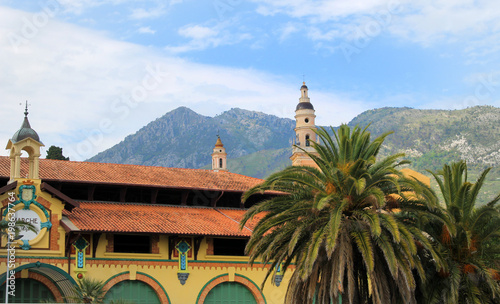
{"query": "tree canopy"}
[(348, 227), (470, 252), (56, 153)]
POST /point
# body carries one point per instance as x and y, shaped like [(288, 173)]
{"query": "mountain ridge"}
[(184, 138), (259, 144)]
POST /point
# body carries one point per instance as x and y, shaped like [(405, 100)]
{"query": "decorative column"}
[(80, 245), (183, 273), (36, 166), (30, 167), (278, 276), (17, 165)]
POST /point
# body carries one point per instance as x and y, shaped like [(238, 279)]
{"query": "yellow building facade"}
[(152, 234)]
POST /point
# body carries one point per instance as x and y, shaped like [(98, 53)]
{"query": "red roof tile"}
[(237, 215), (143, 218), (88, 172)]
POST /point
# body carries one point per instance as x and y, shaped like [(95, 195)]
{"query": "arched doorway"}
[(57, 281), (28, 291), (230, 292), (234, 285), (134, 291)]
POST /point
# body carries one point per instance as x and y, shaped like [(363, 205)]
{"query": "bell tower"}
[(28, 140), (304, 130), (219, 156)]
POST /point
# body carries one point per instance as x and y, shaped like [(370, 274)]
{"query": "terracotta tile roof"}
[(145, 218), (237, 215), (88, 172)]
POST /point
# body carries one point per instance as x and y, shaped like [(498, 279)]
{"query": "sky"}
[(96, 71)]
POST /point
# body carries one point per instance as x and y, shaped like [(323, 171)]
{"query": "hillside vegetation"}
[(259, 144), (185, 139)]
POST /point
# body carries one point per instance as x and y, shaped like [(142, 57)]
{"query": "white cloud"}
[(474, 24), (197, 32), (203, 37), (89, 91), (287, 30), (145, 30), (428, 22), (141, 13), (76, 7), (319, 11)]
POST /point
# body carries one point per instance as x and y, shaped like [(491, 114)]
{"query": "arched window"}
[(29, 291), (220, 162), (230, 292), (307, 141), (136, 291)]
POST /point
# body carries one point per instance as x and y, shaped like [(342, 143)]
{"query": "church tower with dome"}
[(219, 156), (305, 128)]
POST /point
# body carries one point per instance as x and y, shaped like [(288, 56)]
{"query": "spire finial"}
[(26, 108)]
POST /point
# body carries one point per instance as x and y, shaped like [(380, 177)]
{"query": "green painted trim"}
[(144, 260), (53, 282), (204, 286), (36, 257), (226, 274), (125, 272), (38, 265), (164, 291), (222, 261), (240, 275), (53, 296), (116, 275), (125, 259), (176, 261)]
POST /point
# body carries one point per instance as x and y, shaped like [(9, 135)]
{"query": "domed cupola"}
[(304, 101), (25, 131), (25, 139), (304, 105)]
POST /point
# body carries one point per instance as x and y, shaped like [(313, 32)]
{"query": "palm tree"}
[(337, 223), (471, 273), (18, 227), (89, 291)]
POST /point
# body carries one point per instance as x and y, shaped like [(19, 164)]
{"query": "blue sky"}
[(95, 71)]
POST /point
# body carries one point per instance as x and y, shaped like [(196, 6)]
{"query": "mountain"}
[(431, 137), (183, 138), (259, 144)]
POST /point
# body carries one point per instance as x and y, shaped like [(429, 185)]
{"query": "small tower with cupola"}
[(25, 139), (304, 130), (219, 156)]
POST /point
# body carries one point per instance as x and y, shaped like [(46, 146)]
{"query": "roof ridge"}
[(233, 219), (136, 175), (117, 164), (155, 205), (136, 165)]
